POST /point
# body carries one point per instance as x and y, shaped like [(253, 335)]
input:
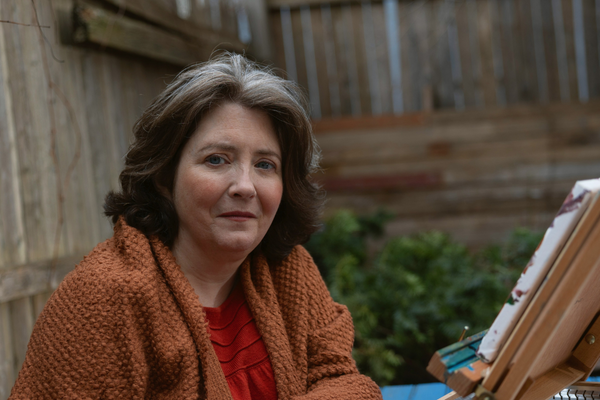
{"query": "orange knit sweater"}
[(126, 324)]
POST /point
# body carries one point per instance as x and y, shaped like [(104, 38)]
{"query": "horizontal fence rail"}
[(369, 57)]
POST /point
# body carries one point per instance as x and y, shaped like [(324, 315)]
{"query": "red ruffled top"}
[(240, 349)]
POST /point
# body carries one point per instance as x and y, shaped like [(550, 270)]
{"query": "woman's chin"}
[(237, 245)]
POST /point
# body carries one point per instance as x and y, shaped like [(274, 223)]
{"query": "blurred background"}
[(451, 131)]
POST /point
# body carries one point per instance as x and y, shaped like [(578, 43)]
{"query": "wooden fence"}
[(475, 174), (358, 58)]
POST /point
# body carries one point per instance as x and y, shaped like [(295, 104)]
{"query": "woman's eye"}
[(215, 160), (265, 165)]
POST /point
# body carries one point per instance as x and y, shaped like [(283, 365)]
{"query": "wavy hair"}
[(167, 124)]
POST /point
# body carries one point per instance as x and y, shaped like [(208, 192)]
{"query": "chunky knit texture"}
[(126, 324)]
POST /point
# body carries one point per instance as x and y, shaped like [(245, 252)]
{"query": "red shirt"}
[(240, 349)]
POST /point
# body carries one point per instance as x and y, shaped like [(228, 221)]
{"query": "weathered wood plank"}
[(360, 52), (33, 145), (34, 278), (421, 13), (277, 39), (7, 370), (98, 125), (165, 14), (345, 60), (409, 65), (21, 317), (510, 59), (571, 59), (591, 47), (298, 40), (442, 73), (352, 61), (523, 36), (484, 33), (97, 26), (321, 37), (12, 242), (82, 183), (466, 58), (382, 59)]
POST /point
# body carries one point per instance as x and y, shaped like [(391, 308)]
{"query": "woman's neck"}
[(211, 277)]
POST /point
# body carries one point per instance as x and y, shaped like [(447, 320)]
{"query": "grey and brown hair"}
[(167, 124)]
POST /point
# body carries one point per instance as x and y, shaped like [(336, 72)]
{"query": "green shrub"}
[(415, 295)]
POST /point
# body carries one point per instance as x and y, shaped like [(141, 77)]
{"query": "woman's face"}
[(228, 183)]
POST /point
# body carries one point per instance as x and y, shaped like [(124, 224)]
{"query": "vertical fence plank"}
[(554, 91), (421, 17), (415, 54), (347, 34), (488, 77), (288, 43), (333, 80), (591, 47), (455, 62), (442, 72), (404, 12), (497, 53), (392, 29), (32, 145), (382, 61), (539, 51), (525, 52), (371, 57), (21, 320), (569, 29), (319, 39), (474, 50), (7, 361), (464, 47), (12, 240), (82, 183), (580, 48), (45, 113), (361, 59), (561, 49), (347, 83), (299, 49), (104, 169), (311, 63), (509, 51), (277, 39)]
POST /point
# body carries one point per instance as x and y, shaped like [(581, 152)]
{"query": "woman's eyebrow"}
[(230, 147), (218, 146), (266, 152)]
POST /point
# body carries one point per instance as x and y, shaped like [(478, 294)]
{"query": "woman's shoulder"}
[(299, 262), (111, 268), (298, 270)]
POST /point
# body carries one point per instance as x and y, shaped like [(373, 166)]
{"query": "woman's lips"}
[(239, 216)]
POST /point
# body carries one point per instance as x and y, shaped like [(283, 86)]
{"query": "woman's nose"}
[(242, 185)]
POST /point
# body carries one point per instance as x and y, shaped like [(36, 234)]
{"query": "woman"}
[(204, 291)]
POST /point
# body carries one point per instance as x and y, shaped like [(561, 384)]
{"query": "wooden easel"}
[(556, 342)]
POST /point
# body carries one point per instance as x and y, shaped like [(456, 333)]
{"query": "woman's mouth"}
[(238, 216)]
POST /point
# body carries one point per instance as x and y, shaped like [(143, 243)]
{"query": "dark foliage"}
[(415, 294)]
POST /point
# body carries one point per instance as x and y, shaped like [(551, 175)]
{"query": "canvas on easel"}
[(553, 341)]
